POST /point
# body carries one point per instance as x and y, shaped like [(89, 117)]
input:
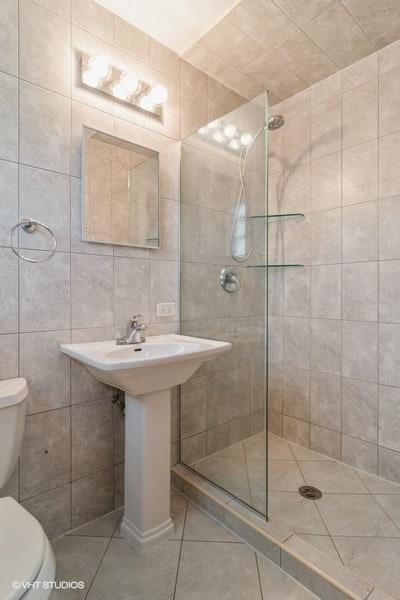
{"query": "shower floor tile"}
[(356, 522)]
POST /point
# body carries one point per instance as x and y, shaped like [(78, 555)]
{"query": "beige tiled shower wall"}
[(334, 325), (71, 467), (223, 403)]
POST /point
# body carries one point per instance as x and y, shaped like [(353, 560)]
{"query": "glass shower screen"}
[(223, 428)]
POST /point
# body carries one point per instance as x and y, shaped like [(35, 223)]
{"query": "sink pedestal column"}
[(147, 520)]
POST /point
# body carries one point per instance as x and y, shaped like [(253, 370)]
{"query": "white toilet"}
[(26, 556)]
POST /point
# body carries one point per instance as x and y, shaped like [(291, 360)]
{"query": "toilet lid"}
[(12, 391), (22, 548)]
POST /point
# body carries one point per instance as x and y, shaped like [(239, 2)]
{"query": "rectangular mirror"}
[(120, 191)]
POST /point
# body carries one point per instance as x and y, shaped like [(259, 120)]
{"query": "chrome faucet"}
[(133, 332)]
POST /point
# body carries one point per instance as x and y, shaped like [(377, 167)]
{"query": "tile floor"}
[(357, 520), (202, 560)]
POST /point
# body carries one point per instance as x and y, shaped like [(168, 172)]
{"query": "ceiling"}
[(175, 23), (283, 46)]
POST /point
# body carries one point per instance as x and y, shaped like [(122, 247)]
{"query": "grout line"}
[(98, 568), (180, 549), (259, 577)]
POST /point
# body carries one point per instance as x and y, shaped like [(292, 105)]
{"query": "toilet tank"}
[(13, 393)]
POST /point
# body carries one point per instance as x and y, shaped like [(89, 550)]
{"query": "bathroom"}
[(333, 323)]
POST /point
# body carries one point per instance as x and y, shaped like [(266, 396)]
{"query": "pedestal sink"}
[(146, 372)]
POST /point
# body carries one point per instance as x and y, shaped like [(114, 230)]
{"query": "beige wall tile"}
[(9, 188), (45, 457), (325, 441), (325, 346), (94, 18), (45, 294), (91, 291), (9, 117), (296, 431), (360, 72), (92, 497), (302, 14), (360, 173), (296, 136), (326, 89), (389, 103), (326, 401), (389, 417), (9, 38), (8, 291), (360, 232), (264, 22), (326, 182), (270, 74), (296, 393), (389, 175), (44, 129), (389, 282), (53, 510), (326, 127), (360, 106), (389, 58), (355, 55), (209, 62), (389, 240), (46, 370), (360, 291), (359, 350), (91, 437), (389, 354), (326, 297), (299, 54), (336, 31), (359, 409), (193, 77), (44, 48), (374, 23), (231, 44), (326, 237)]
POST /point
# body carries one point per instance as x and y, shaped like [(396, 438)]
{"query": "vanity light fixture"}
[(125, 86)]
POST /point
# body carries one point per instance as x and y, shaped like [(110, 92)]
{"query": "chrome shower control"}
[(229, 279)]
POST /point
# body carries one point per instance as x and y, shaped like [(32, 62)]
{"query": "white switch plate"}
[(166, 309)]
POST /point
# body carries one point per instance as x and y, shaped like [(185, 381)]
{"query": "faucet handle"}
[(134, 320)]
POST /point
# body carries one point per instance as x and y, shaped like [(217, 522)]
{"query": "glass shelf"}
[(278, 216), (281, 266)]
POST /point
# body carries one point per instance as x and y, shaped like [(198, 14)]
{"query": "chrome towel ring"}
[(30, 226)]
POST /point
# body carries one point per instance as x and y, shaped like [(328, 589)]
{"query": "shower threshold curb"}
[(322, 575)]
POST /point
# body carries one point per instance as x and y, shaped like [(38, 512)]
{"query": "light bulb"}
[(158, 94), (145, 102), (213, 125), (230, 130), (234, 144), (246, 139), (119, 91), (90, 78), (202, 130), (99, 65), (218, 137), (130, 82)]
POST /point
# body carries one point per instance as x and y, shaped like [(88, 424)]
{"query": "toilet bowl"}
[(27, 563)]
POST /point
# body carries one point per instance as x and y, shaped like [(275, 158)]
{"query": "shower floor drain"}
[(310, 492)]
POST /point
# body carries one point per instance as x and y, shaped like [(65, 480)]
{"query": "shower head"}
[(275, 122)]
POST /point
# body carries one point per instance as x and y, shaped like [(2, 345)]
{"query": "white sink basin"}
[(159, 363)]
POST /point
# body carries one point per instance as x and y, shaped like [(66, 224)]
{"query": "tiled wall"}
[(335, 324), (71, 467), (224, 401)]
